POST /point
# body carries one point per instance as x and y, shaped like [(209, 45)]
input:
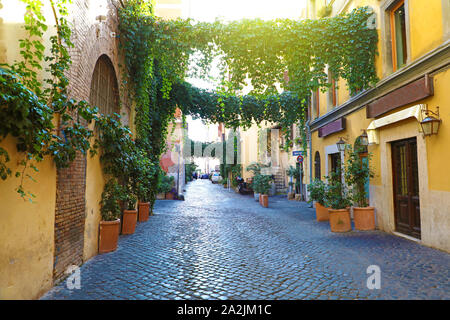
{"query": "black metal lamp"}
[(430, 125)]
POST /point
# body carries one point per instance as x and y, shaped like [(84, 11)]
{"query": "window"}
[(332, 92), (104, 89), (315, 104), (335, 162), (317, 174), (398, 35)]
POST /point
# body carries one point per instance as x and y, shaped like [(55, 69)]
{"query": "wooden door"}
[(406, 187)]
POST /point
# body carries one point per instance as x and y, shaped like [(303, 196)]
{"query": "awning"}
[(412, 112)]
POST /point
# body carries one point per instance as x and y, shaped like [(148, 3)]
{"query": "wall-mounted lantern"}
[(430, 124), (364, 139), (341, 144)]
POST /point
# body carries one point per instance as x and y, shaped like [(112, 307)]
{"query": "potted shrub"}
[(255, 168), (339, 204), (110, 211), (225, 182), (145, 172), (165, 184), (256, 187), (265, 184), (129, 217), (144, 202), (317, 191), (356, 175)]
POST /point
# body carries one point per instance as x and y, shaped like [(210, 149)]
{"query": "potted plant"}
[(357, 174), (317, 191), (110, 211), (339, 204), (142, 181), (225, 182), (165, 184), (255, 168), (129, 217), (265, 184), (144, 202), (256, 187)]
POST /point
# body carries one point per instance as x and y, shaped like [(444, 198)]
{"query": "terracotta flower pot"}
[(169, 196), (129, 221), (340, 220), (108, 236), (144, 209), (265, 200), (161, 196), (291, 196), (322, 213), (364, 218)]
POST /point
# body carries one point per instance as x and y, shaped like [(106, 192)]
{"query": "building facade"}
[(410, 189)]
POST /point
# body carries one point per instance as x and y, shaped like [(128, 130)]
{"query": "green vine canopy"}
[(254, 55)]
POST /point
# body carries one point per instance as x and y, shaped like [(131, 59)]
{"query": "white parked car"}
[(216, 178)]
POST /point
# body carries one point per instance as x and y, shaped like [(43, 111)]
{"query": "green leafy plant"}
[(325, 11), (262, 183), (109, 205), (190, 168), (28, 110), (165, 183), (336, 196), (317, 191), (130, 200), (295, 173), (356, 175)]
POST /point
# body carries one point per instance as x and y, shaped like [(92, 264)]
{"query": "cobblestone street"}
[(221, 245)]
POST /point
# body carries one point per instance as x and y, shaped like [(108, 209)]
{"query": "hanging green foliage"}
[(252, 53), (28, 109)]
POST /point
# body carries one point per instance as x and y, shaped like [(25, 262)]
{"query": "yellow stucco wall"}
[(249, 149), (425, 26), (26, 230), (438, 151), (94, 187)]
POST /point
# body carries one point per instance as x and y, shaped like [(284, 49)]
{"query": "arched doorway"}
[(104, 89)]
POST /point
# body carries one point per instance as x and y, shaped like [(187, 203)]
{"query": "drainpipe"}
[(310, 154)]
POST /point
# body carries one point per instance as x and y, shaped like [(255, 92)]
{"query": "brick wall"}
[(92, 40)]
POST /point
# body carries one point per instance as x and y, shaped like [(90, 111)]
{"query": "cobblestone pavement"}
[(221, 245)]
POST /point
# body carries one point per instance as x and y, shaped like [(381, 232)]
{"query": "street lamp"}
[(341, 145), (430, 125)]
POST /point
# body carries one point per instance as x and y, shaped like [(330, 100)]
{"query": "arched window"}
[(317, 174), (104, 89)]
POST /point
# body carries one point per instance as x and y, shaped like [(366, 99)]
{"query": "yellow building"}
[(410, 190)]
